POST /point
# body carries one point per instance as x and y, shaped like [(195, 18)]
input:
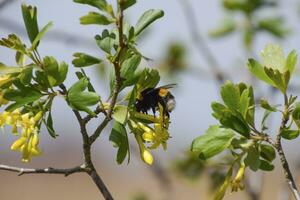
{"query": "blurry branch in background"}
[(5, 3), (200, 43), (55, 35)]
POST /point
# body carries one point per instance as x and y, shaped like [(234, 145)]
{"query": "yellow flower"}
[(28, 146), (147, 157), (29, 140), (236, 183)]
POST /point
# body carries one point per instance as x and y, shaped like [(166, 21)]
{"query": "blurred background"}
[(198, 45)]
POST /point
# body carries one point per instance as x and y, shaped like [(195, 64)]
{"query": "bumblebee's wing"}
[(164, 86)]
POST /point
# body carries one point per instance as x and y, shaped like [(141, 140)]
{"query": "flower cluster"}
[(145, 134), (28, 142)]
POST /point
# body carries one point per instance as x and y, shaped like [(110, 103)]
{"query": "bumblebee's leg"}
[(153, 110)]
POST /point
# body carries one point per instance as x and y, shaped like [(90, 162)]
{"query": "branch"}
[(98, 110), (48, 170), (118, 81), (278, 146), (87, 153)]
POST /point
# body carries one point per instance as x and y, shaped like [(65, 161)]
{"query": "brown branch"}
[(92, 172), (278, 146), (49, 170), (118, 81)]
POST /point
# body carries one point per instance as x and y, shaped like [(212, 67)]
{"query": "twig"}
[(278, 146), (87, 154), (49, 170), (118, 81), (200, 43)]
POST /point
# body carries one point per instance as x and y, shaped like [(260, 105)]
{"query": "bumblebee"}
[(151, 97)]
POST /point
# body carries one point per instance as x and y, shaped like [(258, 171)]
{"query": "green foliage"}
[(246, 19), (21, 95), (277, 68), (251, 148), (95, 18), (146, 19), (79, 99), (30, 20), (84, 60), (118, 137), (214, 141)]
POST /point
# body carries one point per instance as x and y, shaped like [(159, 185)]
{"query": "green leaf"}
[(265, 104), (14, 42), (278, 78), (291, 61), (252, 160), (100, 4), (53, 74), (290, 134), (80, 100), (296, 114), (251, 109), (267, 152), (146, 19), (30, 20), (244, 103), (95, 18), (40, 35), (213, 142), (26, 75), (82, 74), (128, 69), (106, 41), (218, 109), (128, 3), (273, 57), (229, 120), (265, 165), (119, 139), (22, 95), (148, 78), (49, 126), (231, 95), (274, 26), (120, 114), (84, 60), (258, 71)]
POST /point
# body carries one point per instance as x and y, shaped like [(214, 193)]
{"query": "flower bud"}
[(147, 157)]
